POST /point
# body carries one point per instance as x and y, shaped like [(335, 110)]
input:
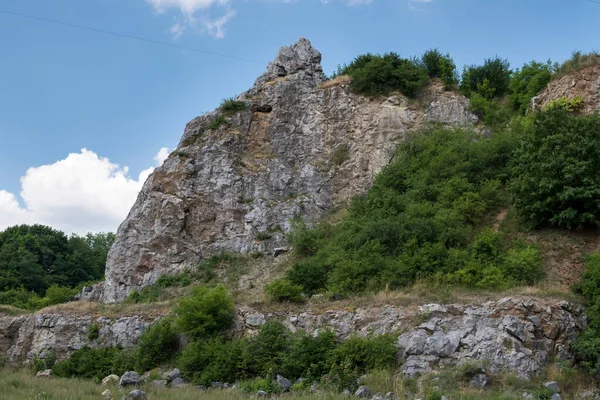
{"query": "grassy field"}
[(20, 384)]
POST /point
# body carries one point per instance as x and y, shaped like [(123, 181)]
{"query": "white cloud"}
[(418, 4), (82, 193), (176, 30)]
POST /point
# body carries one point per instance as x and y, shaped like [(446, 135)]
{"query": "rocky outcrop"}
[(236, 180), (26, 337), (584, 83), (520, 335)]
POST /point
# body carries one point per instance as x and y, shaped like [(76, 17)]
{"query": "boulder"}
[(391, 396), (179, 383), (107, 395), (552, 387), (130, 378), (283, 383), (47, 373), (158, 383), (137, 395), (480, 380), (174, 374), (261, 393), (556, 396), (110, 379), (363, 392), (216, 385)]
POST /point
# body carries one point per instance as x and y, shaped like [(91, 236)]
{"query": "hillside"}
[(389, 222)]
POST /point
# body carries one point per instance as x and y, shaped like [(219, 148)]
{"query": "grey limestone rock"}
[(137, 395), (363, 392), (552, 387), (173, 374), (283, 383), (480, 380), (178, 383), (130, 378), (47, 373), (161, 383)]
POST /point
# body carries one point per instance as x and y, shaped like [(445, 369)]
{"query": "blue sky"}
[(64, 89)]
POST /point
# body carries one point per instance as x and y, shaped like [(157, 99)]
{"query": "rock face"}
[(584, 83), (301, 147), (521, 335), (23, 338)]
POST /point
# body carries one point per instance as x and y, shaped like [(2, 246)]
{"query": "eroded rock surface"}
[(299, 149), (521, 335), (25, 337)]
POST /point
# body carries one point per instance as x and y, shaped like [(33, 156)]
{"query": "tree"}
[(556, 171), (495, 70), (528, 82)]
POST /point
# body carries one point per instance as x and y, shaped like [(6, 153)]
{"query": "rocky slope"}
[(519, 334), (584, 83), (300, 148)]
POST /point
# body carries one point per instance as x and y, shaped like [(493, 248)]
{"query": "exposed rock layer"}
[(299, 149)]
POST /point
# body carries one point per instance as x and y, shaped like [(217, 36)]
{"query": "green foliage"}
[(220, 120), (93, 331), (568, 104), (93, 363), (284, 290), (340, 154), (308, 356), (440, 66), (34, 258), (417, 221), (257, 384), (587, 344), (205, 312), (374, 74), (556, 171), (366, 354), (266, 351), (491, 112), (577, 61), (57, 295), (495, 70), (527, 82), (157, 345), (262, 236), (231, 105)]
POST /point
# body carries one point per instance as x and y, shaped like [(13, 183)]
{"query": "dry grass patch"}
[(337, 81)]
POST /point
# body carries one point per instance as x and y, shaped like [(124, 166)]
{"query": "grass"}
[(341, 154), (577, 61), (220, 120), (231, 105)]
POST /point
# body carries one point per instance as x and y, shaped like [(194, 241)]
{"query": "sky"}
[(85, 116)]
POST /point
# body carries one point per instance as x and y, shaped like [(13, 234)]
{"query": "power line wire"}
[(593, 1), (107, 32)]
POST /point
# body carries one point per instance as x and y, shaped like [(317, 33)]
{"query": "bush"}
[(257, 384), (440, 66), (58, 295), (94, 363), (556, 171), (284, 290), (157, 345), (307, 356), (231, 105), (93, 331), (217, 122), (527, 83), (577, 61), (416, 222), (266, 350), (568, 104), (205, 312), (366, 354), (375, 75), (495, 70)]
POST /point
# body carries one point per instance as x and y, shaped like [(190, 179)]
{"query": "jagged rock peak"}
[(300, 60)]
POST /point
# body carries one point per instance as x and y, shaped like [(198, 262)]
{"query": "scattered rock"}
[(136, 395), (480, 380), (279, 251), (216, 385), (363, 392), (556, 396), (261, 393), (391, 396), (283, 383), (47, 373), (110, 379), (174, 374), (378, 396), (179, 383), (161, 383), (415, 366), (130, 378), (552, 387), (107, 395)]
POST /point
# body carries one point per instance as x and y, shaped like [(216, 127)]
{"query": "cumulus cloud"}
[(82, 193)]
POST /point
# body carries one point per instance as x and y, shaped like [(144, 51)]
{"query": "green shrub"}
[(556, 171), (495, 70), (217, 122), (307, 356), (157, 345), (568, 104), (57, 295), (205, 312), (284, 290), (440, 66), (527, 82), (587, 344), (262, 236), (416, 222), (266, 351), (214, 360), (93, 331), (94, 363), (375, 75), (366, 354), (341, 154), (21, 298), (231, 105), (257, 384)]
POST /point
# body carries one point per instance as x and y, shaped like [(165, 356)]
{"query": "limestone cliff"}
[(302, 146)]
